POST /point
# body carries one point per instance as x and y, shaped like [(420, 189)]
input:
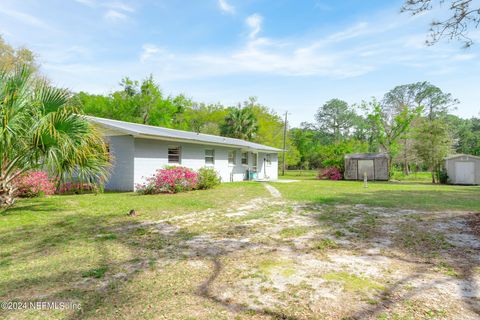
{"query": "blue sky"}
[(292, 55)]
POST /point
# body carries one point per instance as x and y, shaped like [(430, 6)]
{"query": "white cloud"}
[(226, 7), (114, 16), (464, 57), (89, 3), (356, 50), (119, 6), (116, 11), (254, 22), (151, 52), (25, 18), (357, 30)]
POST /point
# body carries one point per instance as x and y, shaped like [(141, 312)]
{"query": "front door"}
[(254, 161), (465, 172)]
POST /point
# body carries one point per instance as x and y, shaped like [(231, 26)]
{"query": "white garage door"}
[(465, 172)]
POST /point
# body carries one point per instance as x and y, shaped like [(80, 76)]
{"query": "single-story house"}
[(463, 169), (137, 151), (374, 164)]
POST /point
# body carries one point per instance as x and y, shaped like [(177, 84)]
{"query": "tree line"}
[(413, 123)]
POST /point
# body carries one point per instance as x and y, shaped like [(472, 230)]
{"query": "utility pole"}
[(284, 142)]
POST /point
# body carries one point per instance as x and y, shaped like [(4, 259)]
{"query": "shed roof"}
[(366, 156), (453, 156), (154, 132)]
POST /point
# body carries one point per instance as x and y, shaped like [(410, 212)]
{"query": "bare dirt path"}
[(271, 258)]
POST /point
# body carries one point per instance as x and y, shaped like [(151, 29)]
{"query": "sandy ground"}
[(272, 258)]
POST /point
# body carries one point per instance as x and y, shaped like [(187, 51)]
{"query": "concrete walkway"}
[(273, 191)]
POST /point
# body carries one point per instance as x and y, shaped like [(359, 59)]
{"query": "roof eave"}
[(185, 140), (137, 134)]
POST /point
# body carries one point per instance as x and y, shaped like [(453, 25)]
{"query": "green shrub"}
[(207, 178), (443, 176)]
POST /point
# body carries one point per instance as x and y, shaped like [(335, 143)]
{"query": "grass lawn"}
[(298, 174), (237, 253), (53, 246), (312, 174), (384, 194)]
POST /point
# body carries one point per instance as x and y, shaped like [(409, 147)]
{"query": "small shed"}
[(463, 169), (374, 164)]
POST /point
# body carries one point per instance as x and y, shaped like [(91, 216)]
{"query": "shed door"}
[(365, 166), (465, 172)]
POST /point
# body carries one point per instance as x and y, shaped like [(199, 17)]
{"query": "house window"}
[(232, 157), (209, 156), (245, 158), (268, 159), (173, 154)]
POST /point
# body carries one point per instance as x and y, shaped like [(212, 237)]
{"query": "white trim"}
[(179, 154), (241, 158), (212, 156), (234, 163)]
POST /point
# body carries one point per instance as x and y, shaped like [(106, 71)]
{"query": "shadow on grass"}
[(423, 247), (36, 207), (77, 229), (428, 200)]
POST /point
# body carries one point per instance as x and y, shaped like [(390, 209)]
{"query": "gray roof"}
[(366, 156), (453, 156), (152, 132)]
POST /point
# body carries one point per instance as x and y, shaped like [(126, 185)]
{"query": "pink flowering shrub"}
[(330, 173), (34, 184), (169, 180)]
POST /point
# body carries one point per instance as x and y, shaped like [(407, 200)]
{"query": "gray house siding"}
[(122, 158), (134, 159)]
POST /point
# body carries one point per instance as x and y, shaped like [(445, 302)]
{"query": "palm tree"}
[(240, 123), (41, 129)]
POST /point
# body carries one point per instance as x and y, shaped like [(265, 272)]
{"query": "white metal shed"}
[(463, 169)]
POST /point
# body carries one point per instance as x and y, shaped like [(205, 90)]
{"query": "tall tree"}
[(465, 134), (411, 96), (240, 123), (335, 117), (40, 128), (433, 144), (389, 128), (202, 118), (11, 58), (140, 102), (434, 101), (463, 15)]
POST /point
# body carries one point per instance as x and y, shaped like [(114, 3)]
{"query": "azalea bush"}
[(208, 178), (331, 173), (169, 180), (34, 184)]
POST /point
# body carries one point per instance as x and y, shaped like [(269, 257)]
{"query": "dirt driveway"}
[(271, 258)]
